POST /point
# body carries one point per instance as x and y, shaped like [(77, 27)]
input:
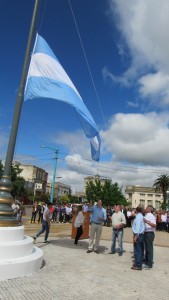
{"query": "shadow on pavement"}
[(69, 243)]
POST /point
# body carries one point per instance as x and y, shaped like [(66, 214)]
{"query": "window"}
[(150, 195), (157, 204), (150, 202), (142, 202), (157, 195), (141, 194)]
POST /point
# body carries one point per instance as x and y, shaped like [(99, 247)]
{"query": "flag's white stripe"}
[(94, 141), (43, 65)]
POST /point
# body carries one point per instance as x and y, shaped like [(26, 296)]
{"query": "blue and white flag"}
[(47, 79)]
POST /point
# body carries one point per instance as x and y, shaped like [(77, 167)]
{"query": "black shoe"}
[(96, 251), (112, 252), (89, 251), (34, 239), (46, 242), (136, 268), (120, 254)]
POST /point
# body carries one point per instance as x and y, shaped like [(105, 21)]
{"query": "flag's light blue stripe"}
[(42, 47), (41, 87), (47, 81), (44, 65), (95, 149)]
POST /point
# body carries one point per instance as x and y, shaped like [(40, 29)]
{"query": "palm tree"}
[(162, 184)]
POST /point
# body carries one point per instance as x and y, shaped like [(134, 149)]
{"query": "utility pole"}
[(56, 151)]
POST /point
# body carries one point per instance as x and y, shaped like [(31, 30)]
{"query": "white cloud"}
[(74, 142), (132, 104), (144, 29), (138, 138), (156, 85), (137, 143)]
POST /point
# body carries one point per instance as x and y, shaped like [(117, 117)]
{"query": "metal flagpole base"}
[(6, 212)]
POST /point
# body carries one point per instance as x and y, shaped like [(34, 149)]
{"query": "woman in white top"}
[(78, 223)]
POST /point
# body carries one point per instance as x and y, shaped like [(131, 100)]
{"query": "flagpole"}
[(6, 213)]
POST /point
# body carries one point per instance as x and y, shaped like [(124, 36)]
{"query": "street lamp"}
[(54, 173)]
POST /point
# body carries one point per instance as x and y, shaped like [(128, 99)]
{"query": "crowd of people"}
[(19, 210), (60, 213), (143, 222)]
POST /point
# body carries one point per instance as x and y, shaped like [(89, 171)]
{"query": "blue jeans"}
[(45, 227), (139, 250), (119, 235)]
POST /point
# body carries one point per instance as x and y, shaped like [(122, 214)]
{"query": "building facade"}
[(140, 195), (35, 177), (60, 189), (95, 178)]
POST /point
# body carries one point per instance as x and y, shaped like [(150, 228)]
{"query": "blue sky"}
[(119, 66)]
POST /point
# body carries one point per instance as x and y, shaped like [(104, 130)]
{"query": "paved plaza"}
[(70, 273)]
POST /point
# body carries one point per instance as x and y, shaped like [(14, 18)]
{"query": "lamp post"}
[(56, 151)]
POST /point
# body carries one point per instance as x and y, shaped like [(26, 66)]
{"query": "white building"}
[(60, 189), (140, 195), (35, 177), (95, 178)]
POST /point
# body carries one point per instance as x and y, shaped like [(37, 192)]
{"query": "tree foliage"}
[(109, 193), (18, 182), (15, 172), (64, 199), (18, 187), (162, 184)]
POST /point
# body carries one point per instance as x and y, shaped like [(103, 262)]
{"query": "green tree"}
[(90, 190), (94, 190), (18, 187), (162, 184), (64, 199), (18, 182), (117, 195), (15, 171), (109, 193)]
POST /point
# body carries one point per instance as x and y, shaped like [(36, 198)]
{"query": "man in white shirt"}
[(118, 223), (150, 226), (68, 213), (163, 221)]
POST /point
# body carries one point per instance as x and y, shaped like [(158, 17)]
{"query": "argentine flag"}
[(47, 79)]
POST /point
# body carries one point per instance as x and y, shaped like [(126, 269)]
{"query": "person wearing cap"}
[(47, 216)]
